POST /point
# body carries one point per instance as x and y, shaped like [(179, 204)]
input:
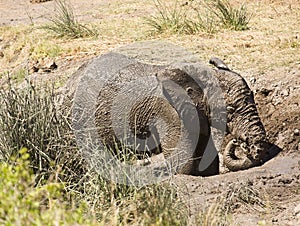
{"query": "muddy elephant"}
[(243, 121), (155, 109)]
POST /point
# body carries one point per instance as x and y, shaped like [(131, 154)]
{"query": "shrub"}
[(23, 203), (233, 18), (30, 117), (64, 23)]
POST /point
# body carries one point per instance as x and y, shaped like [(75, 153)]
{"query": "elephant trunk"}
[(234, 163), (243, 122)]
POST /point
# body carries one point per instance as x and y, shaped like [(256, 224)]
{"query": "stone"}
[(297, 210)]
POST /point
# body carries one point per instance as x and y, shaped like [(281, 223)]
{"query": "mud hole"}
[(277, 182)]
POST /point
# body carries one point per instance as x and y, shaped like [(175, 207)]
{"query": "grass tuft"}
[(170, 18), (64, 23), (242, 194), (29, 117), (233, 18)]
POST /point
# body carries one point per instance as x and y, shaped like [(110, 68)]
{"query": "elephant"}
[(161, 109), (243, 121)]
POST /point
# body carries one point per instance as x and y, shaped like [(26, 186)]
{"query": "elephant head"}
[(243, 121)]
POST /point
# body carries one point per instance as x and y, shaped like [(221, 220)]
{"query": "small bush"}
[(29, 117), (236, 19), (64, 23), (171, 18), (23, 203)]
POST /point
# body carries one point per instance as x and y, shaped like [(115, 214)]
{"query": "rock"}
[(1, 54), (46, 65), (297, 210), (265, 91), (296, 132), (285, 93), (50, 67), (252, 80)]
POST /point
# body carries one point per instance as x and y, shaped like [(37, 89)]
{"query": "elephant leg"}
[(209, 164)]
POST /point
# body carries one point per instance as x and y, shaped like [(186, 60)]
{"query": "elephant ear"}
[(187, 97)]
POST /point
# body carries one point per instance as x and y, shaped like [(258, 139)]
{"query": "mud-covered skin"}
[(146, 115), (243, 121)]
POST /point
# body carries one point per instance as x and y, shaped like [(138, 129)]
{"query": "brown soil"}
[(267, 55)]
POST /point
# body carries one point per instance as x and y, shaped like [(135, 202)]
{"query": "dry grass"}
[(194, 17), (272, 38), (65, 24)]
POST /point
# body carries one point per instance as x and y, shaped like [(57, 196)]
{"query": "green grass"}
[(65, 24), (23, 203), (45, 49)]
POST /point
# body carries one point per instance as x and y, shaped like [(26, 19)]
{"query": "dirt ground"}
[(267, 55)]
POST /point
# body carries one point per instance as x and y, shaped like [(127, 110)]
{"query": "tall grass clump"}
[(169, 18), (120, 204), (29, 117), (233, 18), (64, 23), (203, 21)]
